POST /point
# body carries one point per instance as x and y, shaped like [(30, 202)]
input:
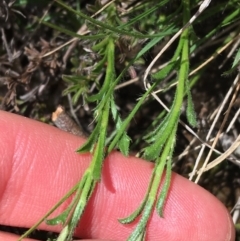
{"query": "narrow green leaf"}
[(89, 145), (124, 143), (191, 114), (135, 214), (86, 193), (73, 34), (160, 135), (103, 112), (143, 15), (77, 79), (100, 45), (236, 61), (98, 157), (113, 28), (100, 65), (156, 133), (63, 217), (228, 19), (166, 185), (77, 95), (99, 152), (149, 45), (139, 231), (128, 119), (110, 72), (162, 73), (99, 96), (60, 219), (125, 123), (151, 152)]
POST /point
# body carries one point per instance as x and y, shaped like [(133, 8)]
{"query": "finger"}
[(12, 237), (39, 165)]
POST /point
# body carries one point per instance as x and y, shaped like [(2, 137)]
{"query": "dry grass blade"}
[(218, 134), (227, 96), (221, 158)]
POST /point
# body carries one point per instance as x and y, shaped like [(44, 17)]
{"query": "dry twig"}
[(64, 122)]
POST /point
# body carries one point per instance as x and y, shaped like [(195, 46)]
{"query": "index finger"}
[(39, 165)]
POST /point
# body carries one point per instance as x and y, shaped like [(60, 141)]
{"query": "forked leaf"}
[(63, 217), (165, 160), (126, 122), (86, 193), (165, 188), (110, 72)]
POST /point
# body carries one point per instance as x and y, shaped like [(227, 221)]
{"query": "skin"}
[(38, 166)]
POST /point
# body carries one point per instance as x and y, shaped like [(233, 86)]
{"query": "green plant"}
[(104, 39)]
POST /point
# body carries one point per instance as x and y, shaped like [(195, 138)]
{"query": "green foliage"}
[(236, 61), (103, 41)]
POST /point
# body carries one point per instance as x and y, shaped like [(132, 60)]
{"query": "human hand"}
[(38, 166)]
